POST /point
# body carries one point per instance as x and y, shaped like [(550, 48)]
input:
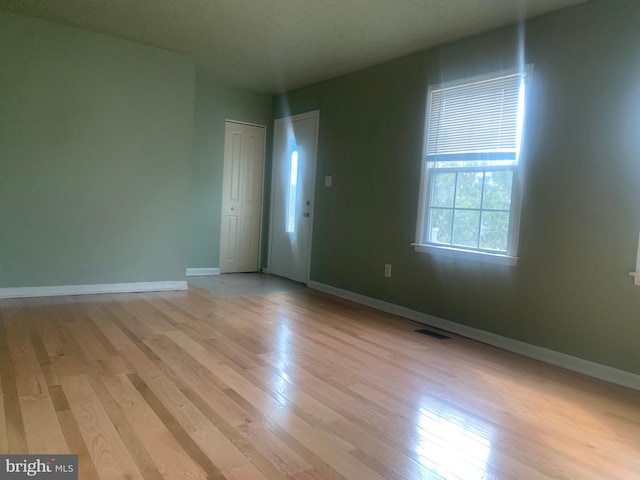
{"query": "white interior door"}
[(241, 197), (294, 167)]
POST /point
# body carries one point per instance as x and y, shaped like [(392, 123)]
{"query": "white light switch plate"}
[(328, 180)]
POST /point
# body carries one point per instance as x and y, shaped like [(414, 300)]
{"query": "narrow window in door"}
[(293, 187)]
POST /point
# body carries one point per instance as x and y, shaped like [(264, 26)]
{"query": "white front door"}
[(241, 197), (294, 167)]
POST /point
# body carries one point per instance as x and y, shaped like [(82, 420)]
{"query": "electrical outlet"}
[(387, 270), (328, 180)]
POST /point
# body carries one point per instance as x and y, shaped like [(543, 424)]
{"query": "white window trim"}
[(445, 251), (636, 274), (448, 251)]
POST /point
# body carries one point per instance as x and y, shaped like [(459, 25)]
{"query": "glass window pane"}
[(440, 231), (494, 232), (293, 193), (465, 228), (469, 190), (497, 190), (444, 186)]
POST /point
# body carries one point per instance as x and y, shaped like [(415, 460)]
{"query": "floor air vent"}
[(437, 335)]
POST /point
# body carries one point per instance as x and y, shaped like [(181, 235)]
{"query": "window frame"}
[(517, 187)]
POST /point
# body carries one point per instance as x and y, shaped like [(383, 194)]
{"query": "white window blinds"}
[(477, 120)]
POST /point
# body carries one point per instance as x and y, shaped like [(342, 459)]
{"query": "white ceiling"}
[(275, 45)]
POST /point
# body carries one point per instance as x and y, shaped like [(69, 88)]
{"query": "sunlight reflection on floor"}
[(450, 449), (282, 353)]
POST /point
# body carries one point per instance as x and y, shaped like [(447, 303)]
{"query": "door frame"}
[(264, 164), (292, 118)]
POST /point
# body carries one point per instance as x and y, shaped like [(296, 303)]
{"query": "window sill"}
[(471, 255), (636, 277)]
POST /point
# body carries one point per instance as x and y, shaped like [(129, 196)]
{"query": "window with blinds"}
[(471, 180)]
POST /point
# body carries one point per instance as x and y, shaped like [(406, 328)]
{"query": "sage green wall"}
[(214, 105), (95, 144), (571, 291)]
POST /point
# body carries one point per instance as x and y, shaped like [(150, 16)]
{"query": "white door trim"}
[(301, 116), (245, 123)]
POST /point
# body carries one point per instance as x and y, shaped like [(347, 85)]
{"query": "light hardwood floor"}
[(187, 385)]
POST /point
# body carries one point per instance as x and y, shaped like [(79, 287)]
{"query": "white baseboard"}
[(21, 292), (585, 367), (200, 272)]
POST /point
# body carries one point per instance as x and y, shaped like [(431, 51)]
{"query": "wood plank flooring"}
[(301, 386)]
